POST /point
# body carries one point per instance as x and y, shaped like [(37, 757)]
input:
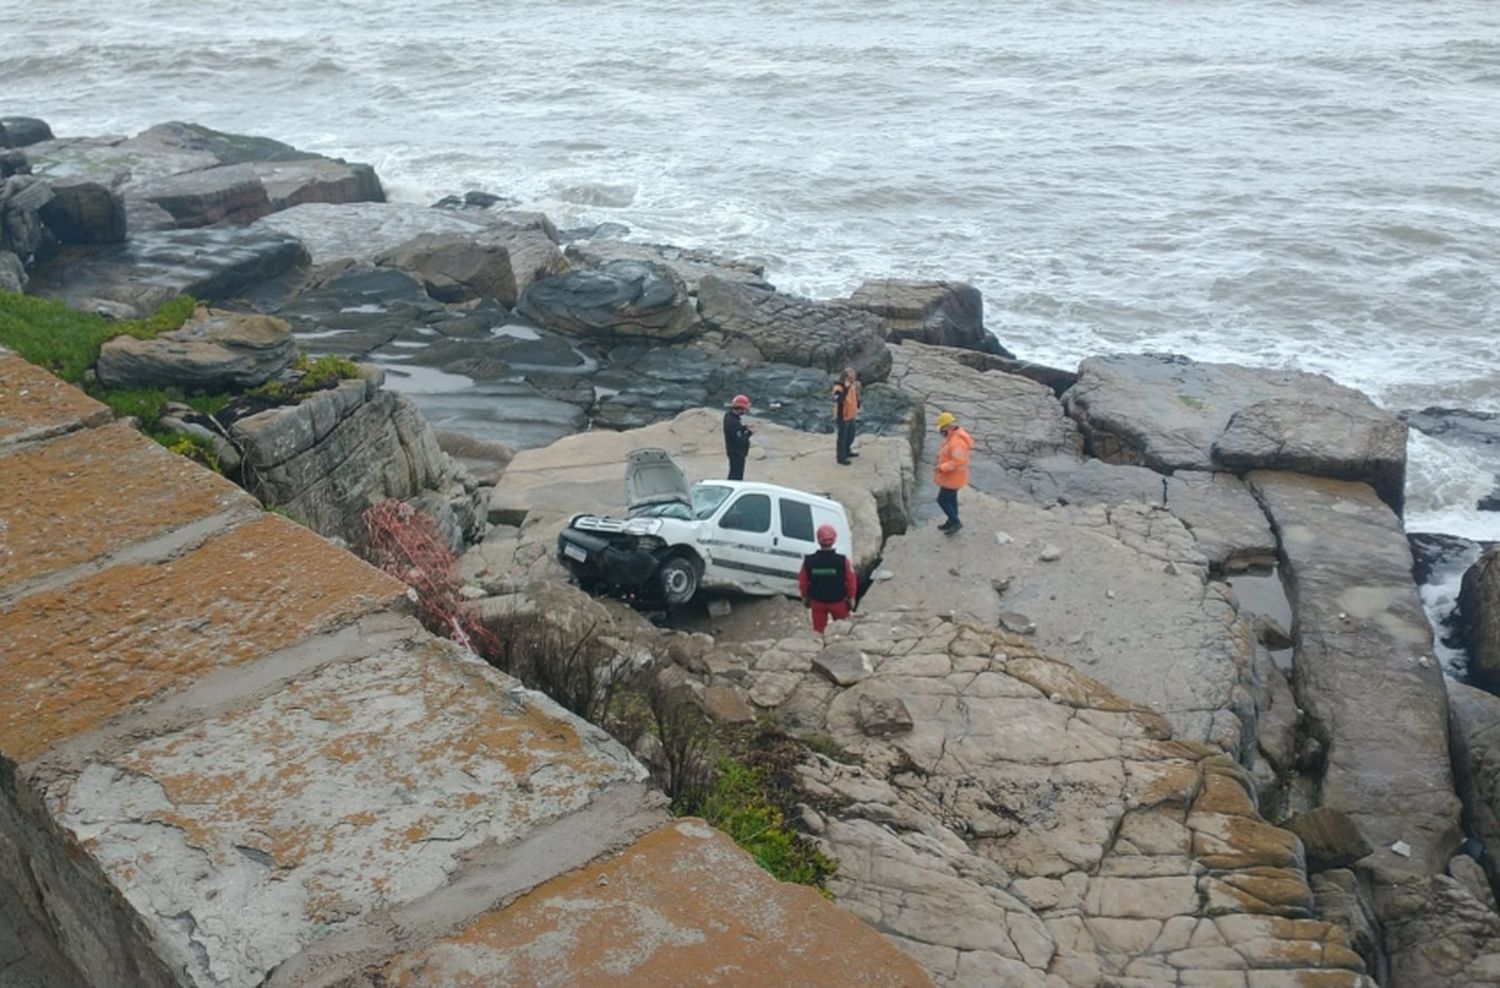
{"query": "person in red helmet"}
[(827, 581), (737, 436)]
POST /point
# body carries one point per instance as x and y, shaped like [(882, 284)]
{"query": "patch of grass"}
[(145, 404), (313, 375), (1191, 401), (195, 448), (49, 334), (207, 404), (738, 804)]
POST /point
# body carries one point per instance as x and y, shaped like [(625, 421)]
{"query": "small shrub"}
[(195, 448)]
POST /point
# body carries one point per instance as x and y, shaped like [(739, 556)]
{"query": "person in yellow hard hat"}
[(952, 471)]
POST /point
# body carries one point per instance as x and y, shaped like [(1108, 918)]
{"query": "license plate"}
[(573, 552)]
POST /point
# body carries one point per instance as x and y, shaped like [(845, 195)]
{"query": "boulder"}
[(586, 472), (944, 313), (150, 268), (83, 212), (1437, 935), (214, 352), (246, 191), (1479, 616), (13, 277), (22, 197), (1014, 420), (620, 299), (691, 265), (14, 163), (1171, 413), (1362, 659), (333, 454), (20, 132), (1112, 567), (498, 263), (1349, 440), (786, 329), (1475, 730)]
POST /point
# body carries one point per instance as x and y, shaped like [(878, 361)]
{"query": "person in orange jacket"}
[(846, 414), (826, 581), (952, 471)]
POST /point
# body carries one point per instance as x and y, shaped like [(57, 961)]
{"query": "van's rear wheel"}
[(677, 580)]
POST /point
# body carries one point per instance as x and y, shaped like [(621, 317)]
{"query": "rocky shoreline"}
[(1091, 743)]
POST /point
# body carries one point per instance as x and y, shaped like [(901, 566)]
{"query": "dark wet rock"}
[(475, 199), (214, 352), (1435, 554), (22, 232), (779, 328), (1171, 413), (1363, 659), (248, 190), (943, 313), (1479, 616), (14, 163), (1329, 838), (1475, 729), (692, 266), (148, 269), (607, 230), (20, 132), (1053, 378), (618, 300), (494, 263), (82, 212)]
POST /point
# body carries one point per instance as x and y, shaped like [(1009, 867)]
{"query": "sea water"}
[(1292, 184)]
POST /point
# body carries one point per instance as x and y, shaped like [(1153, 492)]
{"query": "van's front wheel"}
[(677, 580)]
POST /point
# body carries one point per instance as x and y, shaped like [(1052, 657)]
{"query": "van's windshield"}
[(707, 498)]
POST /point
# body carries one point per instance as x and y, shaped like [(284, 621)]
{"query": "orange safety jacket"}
[(845, 401), (953, 459)]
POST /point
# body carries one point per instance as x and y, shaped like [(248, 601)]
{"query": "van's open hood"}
[(653, 477)]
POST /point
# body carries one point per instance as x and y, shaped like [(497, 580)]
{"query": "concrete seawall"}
[(230, 757)]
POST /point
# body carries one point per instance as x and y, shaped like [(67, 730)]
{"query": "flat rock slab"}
[(36, 405), (681, 906), (586, 472), (1026, 826), (1364, 671), (358, 789), (246, 191), (54, 495), (215, 352), (944, 313), (107, 643), (1121, 593), (1168, 413), (136, 277), (1228, 524)]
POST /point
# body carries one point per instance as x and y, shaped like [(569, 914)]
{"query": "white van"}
[(733, 535)]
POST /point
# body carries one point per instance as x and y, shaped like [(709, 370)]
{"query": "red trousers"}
[(821, 612)]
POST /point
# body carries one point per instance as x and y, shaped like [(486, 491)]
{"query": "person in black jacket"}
[(827, 581), (737, 436)]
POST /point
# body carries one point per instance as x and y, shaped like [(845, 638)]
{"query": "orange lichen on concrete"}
[(34, 403), (89, 493), (681, 906), (75, 657)]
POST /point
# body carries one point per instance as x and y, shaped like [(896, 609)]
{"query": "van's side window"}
[(751, 513), (796, 520)]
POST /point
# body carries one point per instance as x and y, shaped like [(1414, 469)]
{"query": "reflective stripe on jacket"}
[(953, 459)]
